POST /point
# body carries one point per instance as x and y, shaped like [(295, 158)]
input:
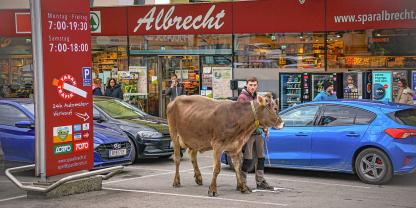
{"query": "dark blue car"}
[(371, 139), (17, 132)]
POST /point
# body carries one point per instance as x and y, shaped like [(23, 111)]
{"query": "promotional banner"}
[(180, 19), (353, 85), (414, 84), (67, 81), (382, 89)]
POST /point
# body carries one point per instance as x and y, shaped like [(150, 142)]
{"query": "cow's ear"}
[(261, 101)]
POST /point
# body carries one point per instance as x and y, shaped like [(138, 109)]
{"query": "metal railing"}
[(110, 172)]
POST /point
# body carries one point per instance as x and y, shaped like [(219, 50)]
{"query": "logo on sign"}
[(67, 87), (95, 21), (62, 149), (62, 134), (165, 21), (85, 135), (86, 76), (77, 136), (302, 1), (86, 126), (81, 146), (77, 127)]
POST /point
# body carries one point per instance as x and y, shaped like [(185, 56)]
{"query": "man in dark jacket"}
[(113, 89), (248, 94), (175, 89)]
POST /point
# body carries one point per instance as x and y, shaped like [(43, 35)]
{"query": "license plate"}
[(118, 153)]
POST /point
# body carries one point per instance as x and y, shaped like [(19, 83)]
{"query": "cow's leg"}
[(241, 185), (216, 170), (177, 158), (197, 175)]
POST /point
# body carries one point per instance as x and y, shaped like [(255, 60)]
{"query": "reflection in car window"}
[(95, 112), (11, 115), (119, 109), (303, 116), (30, 107), (364, 117), (337, 116)]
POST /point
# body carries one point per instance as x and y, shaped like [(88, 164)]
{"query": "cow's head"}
[(267, 112)]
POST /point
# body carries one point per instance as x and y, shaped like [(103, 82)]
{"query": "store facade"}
[(291, 46)]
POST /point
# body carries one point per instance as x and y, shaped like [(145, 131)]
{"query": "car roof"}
[(17, 100), (369, 105)]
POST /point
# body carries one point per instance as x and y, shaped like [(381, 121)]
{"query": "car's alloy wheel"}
[(373, 166)]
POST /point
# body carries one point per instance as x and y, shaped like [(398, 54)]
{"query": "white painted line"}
[(149, 169), (197, 197), (149, 176), (11, 198), (303, 181)]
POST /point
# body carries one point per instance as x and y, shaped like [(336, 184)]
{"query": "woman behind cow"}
[(113, 89), (405, 94)]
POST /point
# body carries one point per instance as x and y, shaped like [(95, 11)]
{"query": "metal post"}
[(35, 7)]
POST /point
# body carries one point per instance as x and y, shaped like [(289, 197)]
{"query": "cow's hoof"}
[(198, 180), (176, 184), (244, 190), (212, 193)]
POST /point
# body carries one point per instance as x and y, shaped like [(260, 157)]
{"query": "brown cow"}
[(201, 124)]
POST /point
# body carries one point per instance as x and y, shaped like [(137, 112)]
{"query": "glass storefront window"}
[(372, 49), (280, 50), (181, 44), (16, 69), (109, 56)]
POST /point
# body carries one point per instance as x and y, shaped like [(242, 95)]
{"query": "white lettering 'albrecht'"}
[(165, 21)]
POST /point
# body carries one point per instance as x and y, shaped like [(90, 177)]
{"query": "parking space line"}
[(153, 175), (197, 197), (11, 198), (303, 181), (149, 169)]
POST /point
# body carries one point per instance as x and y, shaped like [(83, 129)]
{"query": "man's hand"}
[(266, 133)]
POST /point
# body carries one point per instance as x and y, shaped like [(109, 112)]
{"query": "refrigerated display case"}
[(290, 90), (294, 89)]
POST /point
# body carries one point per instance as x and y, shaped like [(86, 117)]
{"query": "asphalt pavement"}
[(149, 184)]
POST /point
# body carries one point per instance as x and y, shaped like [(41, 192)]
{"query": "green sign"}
[(95, 21), (62, 149)]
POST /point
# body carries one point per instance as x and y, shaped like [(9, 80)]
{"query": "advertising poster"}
[(382, 89), (221, 77), (353, 85), (67, 81)]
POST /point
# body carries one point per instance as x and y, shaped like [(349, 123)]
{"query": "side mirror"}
[(98, 118), (24, 124)]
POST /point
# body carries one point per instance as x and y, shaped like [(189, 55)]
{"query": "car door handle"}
[(301, 134), (352, 134)]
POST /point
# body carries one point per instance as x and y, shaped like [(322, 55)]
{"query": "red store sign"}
[(66, 42), (180, 19)]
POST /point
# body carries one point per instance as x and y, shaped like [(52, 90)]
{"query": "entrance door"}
[(187, 69)]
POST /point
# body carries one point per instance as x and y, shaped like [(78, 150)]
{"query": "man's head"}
[(350, 80), (173, 77), (329, 87), (252, 84)]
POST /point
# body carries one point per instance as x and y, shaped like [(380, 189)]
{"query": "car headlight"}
[(96, 145), (149, 134)]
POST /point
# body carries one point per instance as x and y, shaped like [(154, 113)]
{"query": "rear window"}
[(405, 117)]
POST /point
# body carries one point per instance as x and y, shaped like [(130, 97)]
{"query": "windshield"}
[(405, 117), (119, 109), (30, 107)]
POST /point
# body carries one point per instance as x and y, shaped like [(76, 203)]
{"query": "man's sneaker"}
[(264, 186)]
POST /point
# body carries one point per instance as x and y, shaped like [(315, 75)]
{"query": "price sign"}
[(66, 51)]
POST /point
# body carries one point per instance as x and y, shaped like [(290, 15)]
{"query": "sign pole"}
[(35, 8)]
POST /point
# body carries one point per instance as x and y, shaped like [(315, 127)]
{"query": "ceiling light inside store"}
[(378, 34)]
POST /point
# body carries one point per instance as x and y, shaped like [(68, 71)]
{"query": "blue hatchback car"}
[(17, 135), (371, 139)]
